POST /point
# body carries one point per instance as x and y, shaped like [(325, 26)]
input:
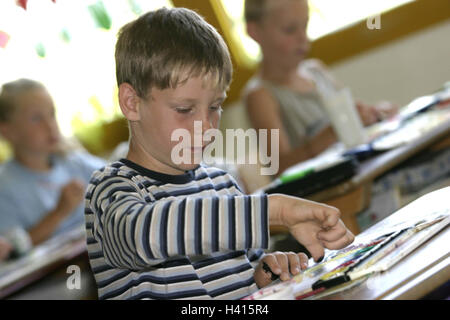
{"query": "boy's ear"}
[(129, 102)]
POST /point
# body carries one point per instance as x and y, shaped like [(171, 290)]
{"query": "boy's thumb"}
[(316, 250)]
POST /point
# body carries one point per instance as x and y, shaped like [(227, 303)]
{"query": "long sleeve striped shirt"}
[(157, 236)]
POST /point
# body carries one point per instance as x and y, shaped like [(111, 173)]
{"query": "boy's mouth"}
[(197, 149)]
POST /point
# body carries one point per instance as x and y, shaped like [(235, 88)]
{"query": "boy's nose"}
[(207, 122), (206, 125)]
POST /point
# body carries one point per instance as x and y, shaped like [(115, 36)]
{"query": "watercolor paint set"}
[(343, 269)]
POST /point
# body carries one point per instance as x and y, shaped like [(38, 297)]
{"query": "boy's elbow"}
[(134, 259)]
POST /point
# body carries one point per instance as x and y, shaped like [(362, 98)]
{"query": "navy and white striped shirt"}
[(157, 236)]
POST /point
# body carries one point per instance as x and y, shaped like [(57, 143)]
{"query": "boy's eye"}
[(216, 108), (183, 110)]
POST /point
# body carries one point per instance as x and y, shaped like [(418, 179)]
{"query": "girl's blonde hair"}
[(11, 91), (8, 104)]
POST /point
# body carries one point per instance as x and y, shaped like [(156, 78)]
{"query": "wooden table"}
[(353, 196), (424, 270)]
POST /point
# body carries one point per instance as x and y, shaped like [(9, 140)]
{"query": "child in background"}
[(287, 92), (42, 186), (160, 229), (5, 249)]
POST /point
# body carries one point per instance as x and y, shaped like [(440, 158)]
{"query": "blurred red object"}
[(22, 3), (4, 38)]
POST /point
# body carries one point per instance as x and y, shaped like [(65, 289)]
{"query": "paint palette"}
[(301, 284), (334, 263), (345, 268)]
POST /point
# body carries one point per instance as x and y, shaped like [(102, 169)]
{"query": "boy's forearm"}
[(191, 226), (275, 209)]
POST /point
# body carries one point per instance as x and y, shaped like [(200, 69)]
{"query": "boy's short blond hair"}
[(165, 47)]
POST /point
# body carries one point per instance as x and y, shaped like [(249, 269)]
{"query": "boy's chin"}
[(187, 167), (188, 164)]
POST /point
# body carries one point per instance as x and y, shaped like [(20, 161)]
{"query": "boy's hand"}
[(316, 226), (71, 196), (280, 264)]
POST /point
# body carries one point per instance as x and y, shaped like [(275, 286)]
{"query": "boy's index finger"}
[(266, 268), (271, 264), (341, 242), (332, 234)]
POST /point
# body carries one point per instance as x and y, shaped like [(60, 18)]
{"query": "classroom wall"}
[(400, 70)]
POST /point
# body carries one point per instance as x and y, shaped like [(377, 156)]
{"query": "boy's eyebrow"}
[(185, 100), (220, 99)]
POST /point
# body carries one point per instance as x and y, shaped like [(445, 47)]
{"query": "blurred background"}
[(69, 46)]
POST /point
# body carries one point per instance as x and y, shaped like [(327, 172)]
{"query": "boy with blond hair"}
[(289, 91), (161, 230)]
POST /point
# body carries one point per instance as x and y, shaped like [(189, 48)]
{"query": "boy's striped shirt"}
[(157, 236)]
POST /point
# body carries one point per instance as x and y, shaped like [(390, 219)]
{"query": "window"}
[(235, 11), (69, 46), (326, 16)]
